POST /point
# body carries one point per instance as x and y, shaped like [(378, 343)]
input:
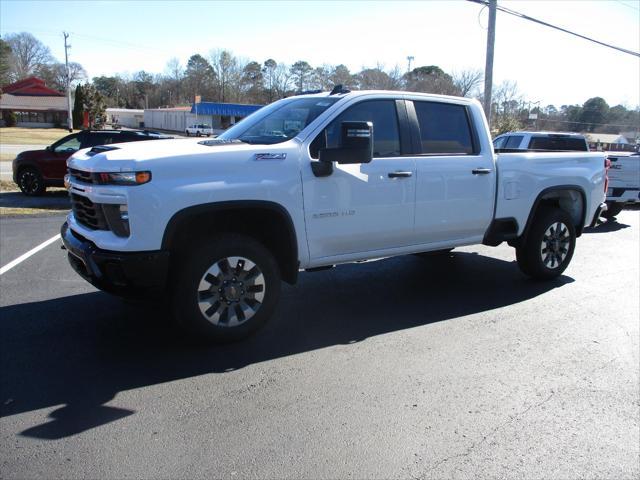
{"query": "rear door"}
[(455, 185)]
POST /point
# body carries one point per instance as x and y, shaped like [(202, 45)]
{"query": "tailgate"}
[(624, 172)]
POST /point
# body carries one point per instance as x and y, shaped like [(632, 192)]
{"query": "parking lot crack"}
[(512, 418)]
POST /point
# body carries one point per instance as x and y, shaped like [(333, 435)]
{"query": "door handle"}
[(481, 171), (399, 174)]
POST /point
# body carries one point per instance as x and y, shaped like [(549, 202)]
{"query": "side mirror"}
[(48, 148), (356, 146)]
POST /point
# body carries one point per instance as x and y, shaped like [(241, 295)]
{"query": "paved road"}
[(401, 368)]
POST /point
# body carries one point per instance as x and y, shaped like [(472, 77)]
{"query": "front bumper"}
[(129, 274)]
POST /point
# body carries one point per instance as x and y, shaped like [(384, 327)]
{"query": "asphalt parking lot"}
[(400, 368)]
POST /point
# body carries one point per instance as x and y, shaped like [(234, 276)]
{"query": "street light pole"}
[(66, 63), (488, 68)]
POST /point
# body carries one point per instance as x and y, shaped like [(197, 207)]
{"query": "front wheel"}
[(30, 182), (549, 246), (225, 288)]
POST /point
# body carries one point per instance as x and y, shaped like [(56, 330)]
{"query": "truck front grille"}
[(88, 213)]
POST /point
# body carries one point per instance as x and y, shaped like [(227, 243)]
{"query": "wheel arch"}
[(563, 197), (268, 222)]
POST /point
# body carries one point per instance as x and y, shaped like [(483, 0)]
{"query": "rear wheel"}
[(549, 246), (613, 209), (226, 288), (30, 182), (188, 134)]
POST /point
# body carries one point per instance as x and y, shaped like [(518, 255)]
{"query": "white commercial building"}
[(125, 117)]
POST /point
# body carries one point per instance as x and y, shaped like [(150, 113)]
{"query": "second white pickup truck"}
[(309, 182)]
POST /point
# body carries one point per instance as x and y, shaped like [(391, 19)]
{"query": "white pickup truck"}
[(624, 182), (309, 182), (199, 129)]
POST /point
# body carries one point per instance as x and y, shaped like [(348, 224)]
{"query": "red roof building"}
[(33, 103)]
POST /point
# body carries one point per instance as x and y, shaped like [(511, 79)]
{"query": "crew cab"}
[(310, 182), (199, 129), (35, 170), (624, 182), (538, 141)]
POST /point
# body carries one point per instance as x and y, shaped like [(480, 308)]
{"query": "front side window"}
[(68, 144), (499, 142), (444, 128), (383, 115)]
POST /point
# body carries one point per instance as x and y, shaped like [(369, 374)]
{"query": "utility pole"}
[(66, 63), (488, 68), (410, 59)]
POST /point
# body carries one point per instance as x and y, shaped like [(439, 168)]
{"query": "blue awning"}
[(227, 109)]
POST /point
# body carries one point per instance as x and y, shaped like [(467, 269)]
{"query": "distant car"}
[(35, 170), (552, 141), (199, 129)]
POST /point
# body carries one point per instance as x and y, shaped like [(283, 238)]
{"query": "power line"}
[(541, 22), (627, 5)]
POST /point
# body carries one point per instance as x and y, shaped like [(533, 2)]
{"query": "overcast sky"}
[(549, 66)]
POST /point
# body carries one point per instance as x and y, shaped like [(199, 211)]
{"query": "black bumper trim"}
[(128, 274)]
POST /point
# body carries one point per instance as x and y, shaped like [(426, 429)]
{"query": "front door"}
[(361, 207)]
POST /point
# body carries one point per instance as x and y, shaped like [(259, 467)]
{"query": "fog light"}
[(67, 181), (117, 218), (124, 213)]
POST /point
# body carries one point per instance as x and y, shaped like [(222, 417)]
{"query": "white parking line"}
[(22, 258)]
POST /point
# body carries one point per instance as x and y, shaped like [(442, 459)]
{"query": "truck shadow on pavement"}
[(81, 351)]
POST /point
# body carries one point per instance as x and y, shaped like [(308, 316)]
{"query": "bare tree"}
[(468, 81), (228, 74), (55, 75), (28, 54)]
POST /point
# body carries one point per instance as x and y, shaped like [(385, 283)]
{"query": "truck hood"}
[(149, 154)]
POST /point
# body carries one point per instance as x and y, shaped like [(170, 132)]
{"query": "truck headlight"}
[(122, 178)]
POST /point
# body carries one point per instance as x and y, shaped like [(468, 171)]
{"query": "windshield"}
[(279, 122)]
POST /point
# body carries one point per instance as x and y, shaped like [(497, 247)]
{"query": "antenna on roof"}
[(339, 89)]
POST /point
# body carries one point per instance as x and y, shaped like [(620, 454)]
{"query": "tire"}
[(188, 134), (197, 134), (31, 182), (225, 288), (549, 245), (613, 209)]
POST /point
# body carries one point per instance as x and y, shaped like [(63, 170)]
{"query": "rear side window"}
[(444, 128), (514, 141), (558, 144)]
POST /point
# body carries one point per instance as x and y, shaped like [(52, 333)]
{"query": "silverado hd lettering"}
[(310, 182)]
